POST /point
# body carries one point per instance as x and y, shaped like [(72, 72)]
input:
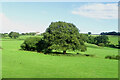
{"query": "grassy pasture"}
[(114, 39), (26, 64)]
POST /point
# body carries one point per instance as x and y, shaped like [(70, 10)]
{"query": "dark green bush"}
[(35, 44), (30, 43), (107, 57), (91, 55), (117, 57), (91, 39), (101, 39), (42, 46), (112, 45)]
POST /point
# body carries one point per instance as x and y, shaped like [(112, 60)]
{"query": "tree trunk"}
[(64, 52)]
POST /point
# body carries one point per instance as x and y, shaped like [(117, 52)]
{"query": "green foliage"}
[(84, 37), (64, 36), (30, 33), (112, 45), (3, 35), (35, 44), (89, 33), (13, 35), (30, 43), (91, 39), (102, 39), (42, 46), (117, 57)]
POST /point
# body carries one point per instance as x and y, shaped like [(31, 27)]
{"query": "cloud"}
[(7, 25), (98, 11)]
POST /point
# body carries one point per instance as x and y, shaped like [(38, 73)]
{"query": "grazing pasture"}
[(17, 63), (114, 39)]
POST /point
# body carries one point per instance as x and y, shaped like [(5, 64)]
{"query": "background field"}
[(114, 39), (27, 64)]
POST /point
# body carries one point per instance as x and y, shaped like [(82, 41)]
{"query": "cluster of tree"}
[(30, 33), (14, 35), (11, 35), (3, 34), (58, 36), (110, 33), (101, 40), (116, 57), (35, 44)]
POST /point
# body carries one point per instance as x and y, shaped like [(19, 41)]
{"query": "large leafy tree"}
[(64, 36)]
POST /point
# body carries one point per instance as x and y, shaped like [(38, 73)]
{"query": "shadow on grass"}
[(68, 54), (61, 54)]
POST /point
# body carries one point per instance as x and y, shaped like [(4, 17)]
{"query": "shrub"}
[(101, 39), (42, 46), (108, 57), (35, 44), (91, 55), (101, 44), (112, 45), (91, 39), (30, 43), (117, 57)]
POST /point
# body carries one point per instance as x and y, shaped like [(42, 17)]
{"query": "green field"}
[(26, 64), (113, 39)]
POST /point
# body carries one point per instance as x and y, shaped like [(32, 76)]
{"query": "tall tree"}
[(64, 36)]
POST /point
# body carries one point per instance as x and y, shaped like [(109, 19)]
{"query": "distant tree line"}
[(15, 35), (3, 35), (11, 35), (30, 33), (110, 33), (101, 40)]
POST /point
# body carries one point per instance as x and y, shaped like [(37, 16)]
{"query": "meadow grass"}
[(27, 64), (113, 39)]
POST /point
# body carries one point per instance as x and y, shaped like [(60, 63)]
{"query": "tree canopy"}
[(89, 33), (13, 35), (64, 36), (102, 39)]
